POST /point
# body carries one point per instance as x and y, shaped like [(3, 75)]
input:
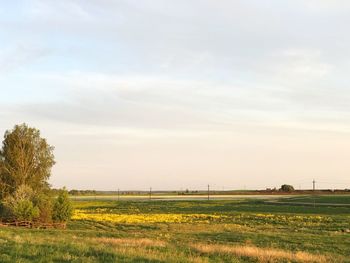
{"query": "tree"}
[(287, 188), (62, 208), (25, 159)]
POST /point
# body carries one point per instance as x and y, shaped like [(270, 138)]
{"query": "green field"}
[(242, 230), (321, 199)]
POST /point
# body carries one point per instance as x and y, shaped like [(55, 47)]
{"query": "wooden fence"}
[(33, 224)]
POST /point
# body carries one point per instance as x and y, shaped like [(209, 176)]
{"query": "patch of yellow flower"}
[(106, 215), (80, 214)]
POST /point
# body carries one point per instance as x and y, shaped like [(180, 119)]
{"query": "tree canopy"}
[(25, 159), (287, 188)]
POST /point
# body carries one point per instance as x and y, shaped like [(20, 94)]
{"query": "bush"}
[(62, 208), (26, 205), (45, 206), (19, 206), (24, 210), (287, 188)]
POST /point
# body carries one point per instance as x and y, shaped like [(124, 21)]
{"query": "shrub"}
[(62, 208), (45, 206), (19, 206), (24, 210)]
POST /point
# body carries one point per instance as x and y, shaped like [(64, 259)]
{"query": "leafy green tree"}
[(62, 208), (287, 188), (25, 159)]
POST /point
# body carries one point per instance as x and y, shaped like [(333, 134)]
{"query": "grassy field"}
[(242, 230), (321, 199)]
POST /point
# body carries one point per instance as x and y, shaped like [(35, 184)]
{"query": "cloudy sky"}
[(181, 94)]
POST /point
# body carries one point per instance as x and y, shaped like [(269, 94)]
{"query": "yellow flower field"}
[(143, 218), (105, 215)]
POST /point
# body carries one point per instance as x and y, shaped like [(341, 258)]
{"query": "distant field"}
[(174, 197), (240, 230), (322, 199)]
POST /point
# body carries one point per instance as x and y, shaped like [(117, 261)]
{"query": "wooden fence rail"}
[(33, 224)]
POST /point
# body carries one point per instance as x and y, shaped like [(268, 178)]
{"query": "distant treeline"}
[(78, 192), (268, 191)]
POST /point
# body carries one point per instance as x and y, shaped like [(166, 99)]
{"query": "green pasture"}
[(320, 230), (321, 199)]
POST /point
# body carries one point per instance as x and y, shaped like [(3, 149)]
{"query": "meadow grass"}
[(321, 199), (187, 231)]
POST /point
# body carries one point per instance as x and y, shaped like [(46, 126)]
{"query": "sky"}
[(243, 94)]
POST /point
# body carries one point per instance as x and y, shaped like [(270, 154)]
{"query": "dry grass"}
[(262, 254), (149, 254), (214, 228), (146, 248), (131, 242)]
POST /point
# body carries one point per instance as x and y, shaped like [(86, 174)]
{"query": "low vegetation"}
[(187, 231)]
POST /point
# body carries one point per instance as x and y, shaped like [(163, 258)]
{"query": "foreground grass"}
[(187, 231)]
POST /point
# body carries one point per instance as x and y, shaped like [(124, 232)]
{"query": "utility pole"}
[(208, 192), (150, 193), (118, 194), (313, 189)]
